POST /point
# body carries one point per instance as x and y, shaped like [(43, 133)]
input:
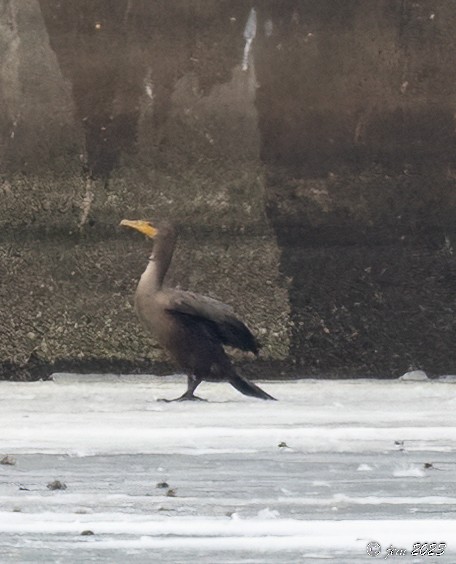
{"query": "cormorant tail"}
[(248, 388)]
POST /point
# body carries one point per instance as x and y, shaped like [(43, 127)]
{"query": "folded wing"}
[(217, 317)]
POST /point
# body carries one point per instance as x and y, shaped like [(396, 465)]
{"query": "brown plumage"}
[(191, 327)]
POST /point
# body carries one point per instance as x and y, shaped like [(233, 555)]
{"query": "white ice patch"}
[(414, 376), (410, 471), (447, 378), (268, 514), (364, 468)]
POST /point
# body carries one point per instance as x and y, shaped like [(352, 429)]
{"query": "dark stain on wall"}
[(108, 50)]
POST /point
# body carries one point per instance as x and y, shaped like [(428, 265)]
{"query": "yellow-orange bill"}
[(142, 226)]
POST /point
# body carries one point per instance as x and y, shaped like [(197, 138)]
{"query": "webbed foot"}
[(183, 397)]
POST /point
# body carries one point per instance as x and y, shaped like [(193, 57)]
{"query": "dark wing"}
[(218, 317)]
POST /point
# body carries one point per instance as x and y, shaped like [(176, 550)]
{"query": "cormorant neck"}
[(160, 258)]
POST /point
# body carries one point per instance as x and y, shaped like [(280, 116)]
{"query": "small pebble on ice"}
[(429, 465), (56, 485)]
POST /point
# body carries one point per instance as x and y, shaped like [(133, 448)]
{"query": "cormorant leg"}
[(192, 384)]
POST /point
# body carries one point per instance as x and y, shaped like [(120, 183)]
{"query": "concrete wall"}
[(313, 182)]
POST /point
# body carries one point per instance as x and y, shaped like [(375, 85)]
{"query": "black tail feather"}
[(248, 388)]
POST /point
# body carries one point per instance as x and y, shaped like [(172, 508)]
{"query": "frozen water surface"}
[(314, 476)]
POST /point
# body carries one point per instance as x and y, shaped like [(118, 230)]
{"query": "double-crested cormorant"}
[(191, 327)]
